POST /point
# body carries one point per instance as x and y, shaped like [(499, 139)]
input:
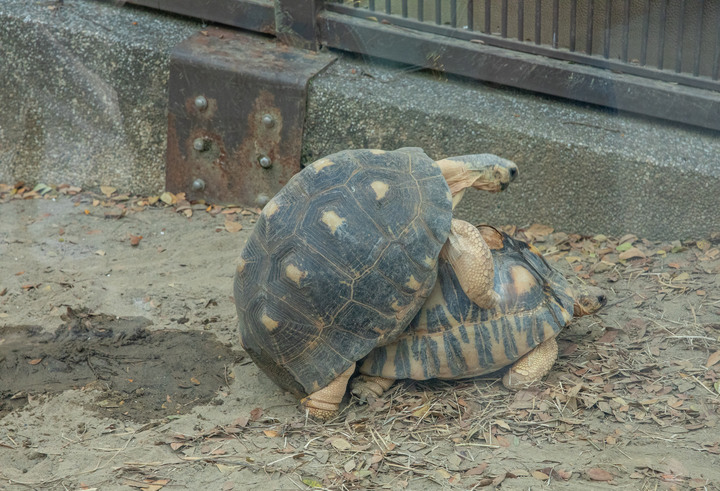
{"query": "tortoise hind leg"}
[(369, 386), (471, 259), (323, 404), (533, 366)]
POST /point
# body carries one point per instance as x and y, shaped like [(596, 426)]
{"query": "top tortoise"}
[(343, 257)]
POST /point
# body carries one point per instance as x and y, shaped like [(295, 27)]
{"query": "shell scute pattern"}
[(451, 337), (339, 261)]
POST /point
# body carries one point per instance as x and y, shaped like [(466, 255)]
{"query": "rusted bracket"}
[(236, 115)]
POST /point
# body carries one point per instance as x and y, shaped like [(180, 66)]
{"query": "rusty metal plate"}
[(236, 115)]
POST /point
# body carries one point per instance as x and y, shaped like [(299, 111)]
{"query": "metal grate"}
[(675, 41)]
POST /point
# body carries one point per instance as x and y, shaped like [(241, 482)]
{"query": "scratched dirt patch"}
[(633, 401), (135, 373)]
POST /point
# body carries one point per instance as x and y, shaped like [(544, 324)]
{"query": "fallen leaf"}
[(233, 226), (684, 276), (256, 414), (632, 253), (311, 482), (421, 411), (194, 381), (703, 244), (167, 198), (100, 252), (540, 476), (340, 444), (35, 361), (107, 190), (135, 240), (713, 359), (271, 433), (625, 246), (537, 230), (477, 470), (597, 474)]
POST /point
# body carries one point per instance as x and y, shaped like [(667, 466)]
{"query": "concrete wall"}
[(84, 102)]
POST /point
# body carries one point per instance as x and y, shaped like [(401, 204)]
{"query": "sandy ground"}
[(120, 369)]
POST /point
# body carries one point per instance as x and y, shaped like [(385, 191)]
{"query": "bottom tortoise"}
[(453, 338)]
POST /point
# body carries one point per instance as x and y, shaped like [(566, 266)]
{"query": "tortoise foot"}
[(533, 366), (324, 404), (366, 386)]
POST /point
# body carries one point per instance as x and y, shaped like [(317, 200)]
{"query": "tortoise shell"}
[(339, 262), (452, 338)]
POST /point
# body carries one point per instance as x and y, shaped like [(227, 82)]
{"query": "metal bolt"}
[(262, 199), (198, 185), (265, 162), (199, 144), (268, 121), (201, 103)]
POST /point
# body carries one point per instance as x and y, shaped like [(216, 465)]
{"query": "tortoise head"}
[(484, 171), (588, 300)]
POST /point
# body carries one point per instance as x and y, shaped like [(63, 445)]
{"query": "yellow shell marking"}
[(269, 323), (295, 274), (380, 188), (522, 280), (332, 220), (270, 208), (241, 266), (413, 284), (377, 152), (321, 164), (430, 261)]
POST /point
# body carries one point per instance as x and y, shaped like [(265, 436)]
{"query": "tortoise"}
[(342, 258), (453, 338)]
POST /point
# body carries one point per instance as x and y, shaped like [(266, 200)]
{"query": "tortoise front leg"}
[(325, 403), (365, 386), (470, 257), (533, 366)]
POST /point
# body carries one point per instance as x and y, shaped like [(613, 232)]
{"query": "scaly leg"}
[(470, 257), (368, 386), (533, 366), (325, 403)]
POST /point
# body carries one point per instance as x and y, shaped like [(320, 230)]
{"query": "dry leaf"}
[(107, 190), (477, 470), (167, 198), (632, 253), (271, 433), (100, 252), (340, 444), (256, 414), (540, 476), (597, 474), (713, 359), (135, 240), (194, 381), (232, 226), (35, 361), (421, 411)]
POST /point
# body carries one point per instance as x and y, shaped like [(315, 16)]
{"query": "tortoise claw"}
[(366, 387)]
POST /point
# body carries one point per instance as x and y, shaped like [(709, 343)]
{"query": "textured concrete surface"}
[(84, 102), (582, 169), (84, 93)]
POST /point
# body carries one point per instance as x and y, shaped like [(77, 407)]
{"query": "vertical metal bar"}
[(521, 20), (438, 12), (503, 18), (645, 33), (404, 8), (388, 6), (608, 26), (538, 21), (716, 61), (453, 13), (626, 31), (589, 28), (371, 5), (487, 17), (470, 20), (573, 27), (421, 10), (680, 39), (698, 45), (556, 16), (661, 34)]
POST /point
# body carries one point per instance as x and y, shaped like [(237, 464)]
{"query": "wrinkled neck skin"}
[(459, 178)]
